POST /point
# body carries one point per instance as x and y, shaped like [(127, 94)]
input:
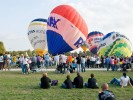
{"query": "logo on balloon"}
[(53, 22), (79, 42), (89, 41), (31, 31)]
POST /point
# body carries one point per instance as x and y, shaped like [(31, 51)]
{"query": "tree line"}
[(31, 52)]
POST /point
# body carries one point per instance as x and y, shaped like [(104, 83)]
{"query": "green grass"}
[(16, 86)]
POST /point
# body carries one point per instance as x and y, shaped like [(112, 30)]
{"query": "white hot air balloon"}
[(37, 35)]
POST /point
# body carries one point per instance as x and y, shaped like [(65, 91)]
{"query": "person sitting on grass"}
[(78, 81), (45, 81), (67, 83), (123, 81), (91, 82), (105, 94)]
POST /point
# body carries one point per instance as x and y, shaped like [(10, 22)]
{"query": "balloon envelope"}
[(115, 43), (66, 30), (93, 41), (37, 35)]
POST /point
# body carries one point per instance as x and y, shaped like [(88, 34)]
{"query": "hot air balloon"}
[(37, 35), (66, 30), (93, 41), (115, 43)]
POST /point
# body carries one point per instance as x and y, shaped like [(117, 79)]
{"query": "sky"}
[(100, 15)]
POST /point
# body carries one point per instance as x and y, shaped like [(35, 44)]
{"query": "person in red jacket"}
[(116, 64)]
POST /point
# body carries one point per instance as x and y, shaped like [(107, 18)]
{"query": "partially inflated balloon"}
[(66, 30), (37, 35), (93, 41), (115, 43)]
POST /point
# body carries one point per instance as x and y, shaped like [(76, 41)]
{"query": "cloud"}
[(105, 12)]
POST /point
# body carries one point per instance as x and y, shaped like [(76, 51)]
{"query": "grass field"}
[(16, 86)]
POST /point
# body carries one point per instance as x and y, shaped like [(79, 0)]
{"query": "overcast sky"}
[(100, 15)]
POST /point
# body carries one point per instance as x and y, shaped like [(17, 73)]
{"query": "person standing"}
[(78, 58), (112, 63), (70, 59), (46, 58), (56, 59), (63, 61), (83, 59), (7, 61), (98, 62), (88, 61), (116, 64), (131, 62), (25, 65), (38, 61), (11, 60), (107, 63), (102, 61), (21, 59), (33, 62), (14, 59), (1, 62), (50, 60)]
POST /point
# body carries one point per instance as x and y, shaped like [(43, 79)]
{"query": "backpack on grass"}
[(54, 82)]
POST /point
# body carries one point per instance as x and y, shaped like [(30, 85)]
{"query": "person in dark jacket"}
[(78, 63), (78, 81), (67, 83), (105, 93), (92, 83), (45, 81)]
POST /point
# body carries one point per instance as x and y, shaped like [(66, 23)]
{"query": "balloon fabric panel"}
[(55, 46), (40, 20), (73, 16)]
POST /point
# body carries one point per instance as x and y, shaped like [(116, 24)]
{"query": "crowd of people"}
[(26, 63), (72, 62), (80, 63)]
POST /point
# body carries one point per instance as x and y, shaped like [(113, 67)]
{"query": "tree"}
[(89, 53), (2, 48), (14, 53), (29, 53)]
